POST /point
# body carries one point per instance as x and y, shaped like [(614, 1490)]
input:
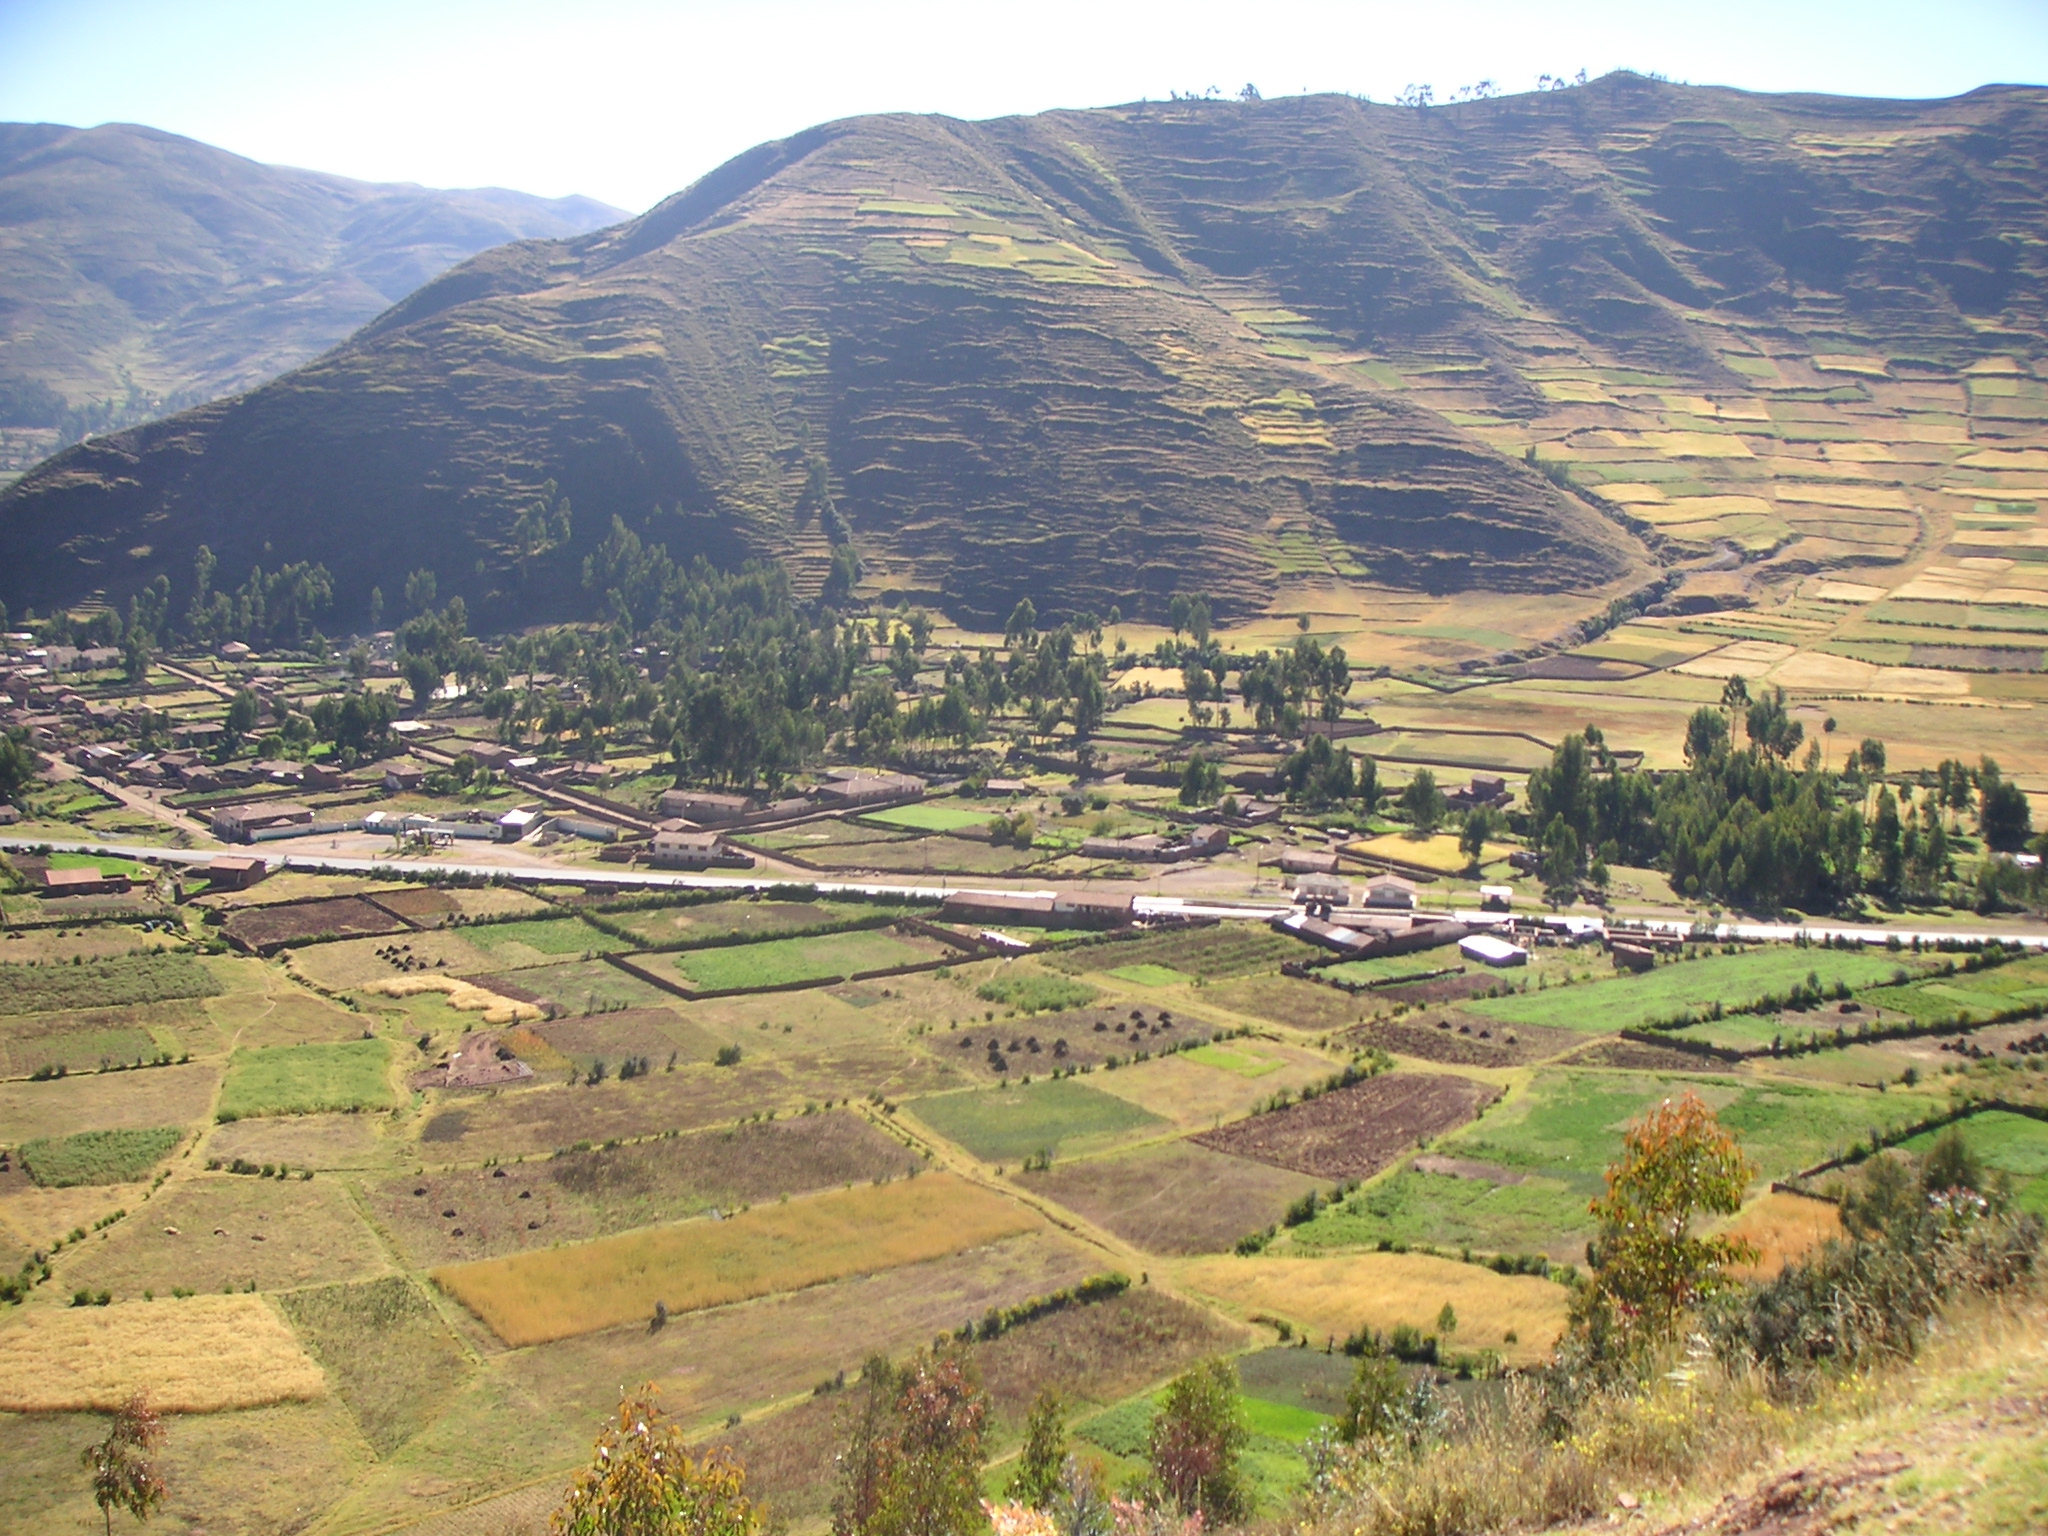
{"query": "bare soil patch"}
[(344, 917), (1579, 669), (1478, 1043), (656, 1033), (1634, 1056), (418, 904), (1179, 1198), (1355, 1132)]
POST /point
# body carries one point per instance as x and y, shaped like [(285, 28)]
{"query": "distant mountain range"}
[(1097, 357), (141, 271)]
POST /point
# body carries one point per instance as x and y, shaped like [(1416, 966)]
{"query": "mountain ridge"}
[(1096, 357)]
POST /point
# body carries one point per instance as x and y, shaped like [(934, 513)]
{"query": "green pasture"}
[(1638, 1001), (306, 1079), (1228, 1060), (97, 1157), (773, 962), (930, 818), (546, 936), (1549, 1146), (122, 982), (1009, 1124), (1151, 975), (1034, 991), (1971, 995)]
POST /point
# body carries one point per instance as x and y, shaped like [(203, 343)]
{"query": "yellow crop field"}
[(556, 1293), (201, 1354), (1784, 1227), (1332, 1297), (1440, 853), (1877, 498)]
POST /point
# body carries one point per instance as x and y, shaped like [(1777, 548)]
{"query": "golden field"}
[(556, 1293), (1334, 1296), (201, 1354)]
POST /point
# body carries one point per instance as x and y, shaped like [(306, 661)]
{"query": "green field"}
[(1009, 1124), (97, 1157), (306, 1079), (1151, 975), (1973, 995), (773, 962), (1234, 1061), (1634, 1002), (547, 936), (930, 818), (2014, 1145), (1035, 992), (121, 982), (1549, 1145)]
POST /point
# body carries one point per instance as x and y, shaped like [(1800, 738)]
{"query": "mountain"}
[(140, 270), (1097, 357)]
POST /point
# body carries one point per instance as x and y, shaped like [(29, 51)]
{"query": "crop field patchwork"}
[(1006, 1125), (1352, 1133), (1332, 1297), (2013, 1145), (1175, 1198), (775, 962), (98, 1157), (306, 1079), (198, 1355), (574, 1196), (121, 982), (556, 1293)]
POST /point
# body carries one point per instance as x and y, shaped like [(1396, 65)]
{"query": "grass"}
[(557, 1293), (387, 1353), (122, 982), (1009, 1124), (1242, 1063), (774, 962), (930, 818), (97, 1157), (1035, 992), (1331, 1297), (1967, 995), (2014, 1145), (306, 1079), (108, 1101), (202, 1354), (1147, 975), (1633, 1002), (546, 939)]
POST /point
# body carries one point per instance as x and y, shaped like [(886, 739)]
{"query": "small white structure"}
[(1488, 950), (1390, 891)]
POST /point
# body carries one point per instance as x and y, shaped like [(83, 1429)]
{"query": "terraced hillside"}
[(1533, 345)]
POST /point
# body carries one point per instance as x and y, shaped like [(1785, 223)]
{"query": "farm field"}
[(1658, 996), (695, 922), (1213, 954), (98, 1157), (1175, 1198), (1197, 1095), (306, 1079), (542, 941), (1329, 1298), (556, 1293), (385, 1351), (200, 1354), (929, 817), (1352, 1133), (1006, 1125), (1518, 1180), (574, 1196), (777, 962)]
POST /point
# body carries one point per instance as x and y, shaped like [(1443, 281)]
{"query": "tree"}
[(1023, 622), (1422, 803), (1480, 824), (1886, 837), (240, 719), (2003, 815), (420, 590), (1201, 782), (1771, 727), (17, 763), (1196, 1440), (1038, 1478), (1706, 735), (1677, 1163), (912, 1465), (422, 675), (1871, 756), (643, 1481), (123, 1466)]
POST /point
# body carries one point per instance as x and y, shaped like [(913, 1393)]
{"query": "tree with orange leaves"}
[(642, 1481), (1677, 1163)]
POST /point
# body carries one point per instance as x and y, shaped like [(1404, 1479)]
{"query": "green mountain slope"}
[(141, 269), (1094, 357)]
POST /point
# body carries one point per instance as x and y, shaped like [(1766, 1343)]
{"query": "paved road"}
[(1148, 906)]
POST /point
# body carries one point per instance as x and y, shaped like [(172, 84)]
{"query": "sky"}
[(630, 100)]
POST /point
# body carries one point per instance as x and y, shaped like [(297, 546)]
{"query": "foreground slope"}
[(143, 269), (1096, 357)]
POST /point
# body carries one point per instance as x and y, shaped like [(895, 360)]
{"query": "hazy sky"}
[(629, 100)]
